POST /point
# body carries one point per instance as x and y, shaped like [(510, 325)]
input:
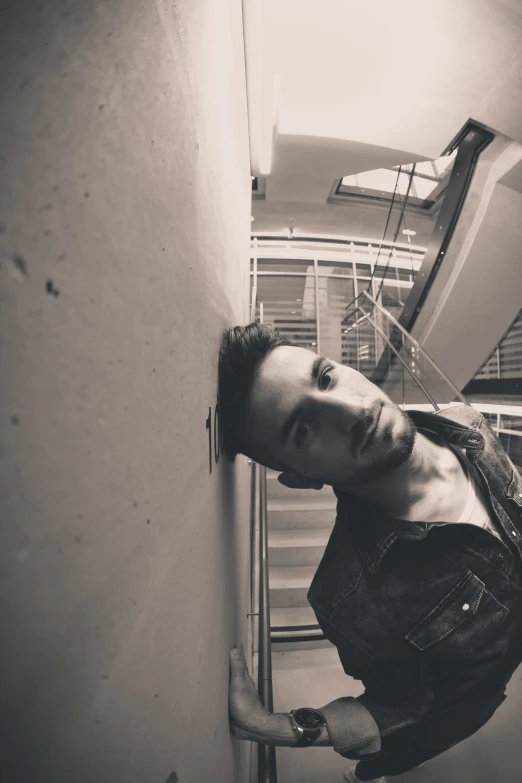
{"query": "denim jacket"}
[(429, 618)]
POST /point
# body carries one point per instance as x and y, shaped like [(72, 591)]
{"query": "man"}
[(420, 585)]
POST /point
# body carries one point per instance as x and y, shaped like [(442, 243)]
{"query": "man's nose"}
[(342, 413)]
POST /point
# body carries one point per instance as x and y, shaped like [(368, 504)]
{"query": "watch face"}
[(308, 718)]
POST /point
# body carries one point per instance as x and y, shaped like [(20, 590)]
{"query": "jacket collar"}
[(374, 530)]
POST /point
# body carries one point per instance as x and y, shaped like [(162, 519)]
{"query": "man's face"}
[(325, 421)]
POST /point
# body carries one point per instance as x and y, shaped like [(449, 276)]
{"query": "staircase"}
[(299, 525)]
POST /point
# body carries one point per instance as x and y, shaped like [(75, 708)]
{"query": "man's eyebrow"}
[(293, 417)]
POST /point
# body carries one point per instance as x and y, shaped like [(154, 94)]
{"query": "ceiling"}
[(342, 86)]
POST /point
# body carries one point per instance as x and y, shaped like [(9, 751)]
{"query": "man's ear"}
[(294, 480)]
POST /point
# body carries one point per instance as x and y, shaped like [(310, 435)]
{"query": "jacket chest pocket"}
[(464, 624)]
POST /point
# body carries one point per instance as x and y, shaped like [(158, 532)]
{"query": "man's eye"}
[(326, 374)]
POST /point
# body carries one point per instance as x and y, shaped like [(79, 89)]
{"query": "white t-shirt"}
[(476, 511)]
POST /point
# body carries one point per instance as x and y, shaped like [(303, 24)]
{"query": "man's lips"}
[(368, 434)]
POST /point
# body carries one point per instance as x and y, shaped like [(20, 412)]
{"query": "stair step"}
[(297, 538), (289, 585), (289, 514), (317, 644), (297, 547), (288, 597), (305, 504), (298, 615), (308, 658), (277, 490), (286, 577)]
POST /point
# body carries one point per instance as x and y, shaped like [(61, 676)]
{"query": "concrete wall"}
[(124, 234)]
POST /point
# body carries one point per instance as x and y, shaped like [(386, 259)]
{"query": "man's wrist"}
[(278, 731)]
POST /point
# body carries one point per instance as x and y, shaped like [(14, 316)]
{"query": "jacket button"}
[(465, 607)]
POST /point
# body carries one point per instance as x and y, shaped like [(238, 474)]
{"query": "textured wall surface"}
[(124, 231)]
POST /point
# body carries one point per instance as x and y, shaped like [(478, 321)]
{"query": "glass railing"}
[(381, 349), (501, 374), (303, 287)]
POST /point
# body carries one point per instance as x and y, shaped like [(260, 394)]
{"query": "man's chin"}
[(400, 452)]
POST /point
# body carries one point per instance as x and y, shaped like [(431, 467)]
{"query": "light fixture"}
[(408, 232)]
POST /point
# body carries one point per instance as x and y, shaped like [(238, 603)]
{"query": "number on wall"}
[(219, 446)]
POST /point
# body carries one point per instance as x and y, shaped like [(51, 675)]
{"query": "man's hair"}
[(243, 349)]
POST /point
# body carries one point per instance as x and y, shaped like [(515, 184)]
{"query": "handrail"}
[(266, 758), (331, 239), (470, 142)]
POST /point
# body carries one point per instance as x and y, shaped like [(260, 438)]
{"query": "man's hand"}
[(248, 718)]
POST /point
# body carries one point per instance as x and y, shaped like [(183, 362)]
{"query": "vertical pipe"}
[(356, 295), (376, 312), (254, 289), (265, 659), (253, 482), (267, 772)]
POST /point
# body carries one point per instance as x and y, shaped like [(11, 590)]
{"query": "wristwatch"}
[(307, 724)]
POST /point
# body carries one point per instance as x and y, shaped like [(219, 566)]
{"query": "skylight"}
[(428, 181)]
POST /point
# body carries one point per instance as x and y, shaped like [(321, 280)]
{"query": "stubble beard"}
[(392, 459)]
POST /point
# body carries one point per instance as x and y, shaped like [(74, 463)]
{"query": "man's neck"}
[(409, 489)]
